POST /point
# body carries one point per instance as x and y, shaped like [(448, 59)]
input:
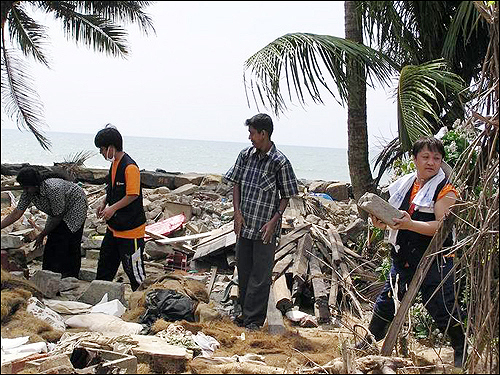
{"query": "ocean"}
[(171, 155)]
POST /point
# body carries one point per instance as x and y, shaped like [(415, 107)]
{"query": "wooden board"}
[(216, 233), (301, 260), (282, 295), (321, 310), (275, 324), (211, 247), (171, 240)]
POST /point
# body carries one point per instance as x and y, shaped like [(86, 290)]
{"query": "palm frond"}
[(422, 90), (396, 36), (30, 35), (93, 31), (465, 22), (19, 97), (119, 11), (300, 58), (79, 158)]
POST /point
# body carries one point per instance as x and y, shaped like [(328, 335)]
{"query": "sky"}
[(186, 81)]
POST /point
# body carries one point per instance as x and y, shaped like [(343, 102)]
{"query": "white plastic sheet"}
[(114, 307), (103, 323), (38, 309)]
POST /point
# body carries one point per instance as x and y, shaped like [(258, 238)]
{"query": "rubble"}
[(319, 279)]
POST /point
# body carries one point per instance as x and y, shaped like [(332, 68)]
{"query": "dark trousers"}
[(255, 263), (62, 253), (441, 306), (130, 252)]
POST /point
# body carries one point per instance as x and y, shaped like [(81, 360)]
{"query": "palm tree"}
[(92, 23), (352, 66), (415, 32)]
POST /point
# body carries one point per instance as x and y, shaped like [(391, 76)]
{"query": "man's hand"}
[(101, 208), (239, 222), (108, 213), (267, 231), (39, 239)]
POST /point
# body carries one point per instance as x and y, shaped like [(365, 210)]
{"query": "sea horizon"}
[(173, 155)]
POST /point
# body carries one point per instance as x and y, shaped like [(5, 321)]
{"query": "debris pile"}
[(180, 318)]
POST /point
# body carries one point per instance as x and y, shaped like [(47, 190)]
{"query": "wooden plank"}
[(445, 227), (171, 240), (334, 245), (214, 234), (234, 292), (285, 251), (282, 265), (296, 233), (211, 247), (213, 274), (334, 287), (301, 260), (321, 310), (324, 251), (282, 295), (275, 324)]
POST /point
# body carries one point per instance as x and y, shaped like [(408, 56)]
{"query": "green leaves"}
[(19, 97), (421, 92), (92, 23), (299, 59)]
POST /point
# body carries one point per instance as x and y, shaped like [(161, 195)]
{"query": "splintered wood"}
[(311, 260)]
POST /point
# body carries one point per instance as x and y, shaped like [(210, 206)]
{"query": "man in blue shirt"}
[(263, 181)]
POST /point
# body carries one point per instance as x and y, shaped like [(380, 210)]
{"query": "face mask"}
[(112, 159)]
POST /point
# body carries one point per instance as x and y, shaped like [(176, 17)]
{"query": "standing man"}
[(263, 181), (123, 211), (425, 197), (65, 204)]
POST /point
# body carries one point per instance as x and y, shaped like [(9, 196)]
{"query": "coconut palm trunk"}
[(357, 130)]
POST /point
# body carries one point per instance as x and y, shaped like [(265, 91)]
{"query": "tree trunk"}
[(359, 166)]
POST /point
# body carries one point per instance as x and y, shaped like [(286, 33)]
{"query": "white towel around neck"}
[(424, 198)]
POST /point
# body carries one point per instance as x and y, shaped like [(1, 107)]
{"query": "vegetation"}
[(95, 24)]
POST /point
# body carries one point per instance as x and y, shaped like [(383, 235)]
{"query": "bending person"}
[(65, 204)]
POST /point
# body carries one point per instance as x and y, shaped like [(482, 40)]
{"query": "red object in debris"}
[(177, 261), (167, 226)]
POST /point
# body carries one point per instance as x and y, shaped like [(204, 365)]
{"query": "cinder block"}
[(92, 254), (47, 281), (98, 288), (11, 242), (378, 207), (87, 274)]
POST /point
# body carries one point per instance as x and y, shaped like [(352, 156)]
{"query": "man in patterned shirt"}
[(66, 205), (123, 211), (263, 181)]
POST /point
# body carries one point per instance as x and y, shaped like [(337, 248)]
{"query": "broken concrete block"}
[(68, 283), (98, 288), (162, 357), (87, 274), (188, 178), (92, 243), (92, 254), (11, 242), (338, 191), (380, 208), (50, 362), (47, 281), (158, 251), (186, 189)]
